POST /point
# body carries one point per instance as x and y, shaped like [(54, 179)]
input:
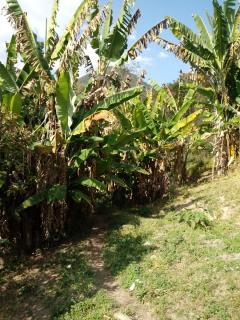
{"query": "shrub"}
[(195, 219)]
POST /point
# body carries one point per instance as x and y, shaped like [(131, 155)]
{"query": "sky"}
[(159, 64)]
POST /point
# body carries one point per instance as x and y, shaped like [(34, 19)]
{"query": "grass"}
[(182, 256), (186, 270), (97, 307), (58, 285)]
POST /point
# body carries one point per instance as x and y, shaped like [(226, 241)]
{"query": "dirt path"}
[(103, 279)]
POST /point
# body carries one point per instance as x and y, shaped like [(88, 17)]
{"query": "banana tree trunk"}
[(222, 147), (180, 163), (149, 188), (234, 144), (52, 170)]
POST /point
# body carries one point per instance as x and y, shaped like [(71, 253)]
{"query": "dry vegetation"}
[(137, 157)]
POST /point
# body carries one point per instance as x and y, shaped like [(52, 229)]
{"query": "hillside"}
[(119, 195), (185, 272), (158, 264)]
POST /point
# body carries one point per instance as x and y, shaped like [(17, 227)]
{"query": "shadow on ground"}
[(47, 284), (122, 250), (44, 285)]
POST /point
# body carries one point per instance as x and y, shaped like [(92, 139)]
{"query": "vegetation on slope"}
[(69, 148), (46, 285), (186, 269)]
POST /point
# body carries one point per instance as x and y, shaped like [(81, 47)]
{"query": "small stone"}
[(121, 316), (147, 244), (133, 286), (231, 257)]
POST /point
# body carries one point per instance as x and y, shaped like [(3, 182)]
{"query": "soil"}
[(123, 299)]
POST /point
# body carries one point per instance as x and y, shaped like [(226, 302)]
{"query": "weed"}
[(187, 270), (96, 308), (214, 310), (195, 219), (124, 249)]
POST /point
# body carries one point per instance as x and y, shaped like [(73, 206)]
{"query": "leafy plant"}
[(213, 55), (195, 219), (61, 115)]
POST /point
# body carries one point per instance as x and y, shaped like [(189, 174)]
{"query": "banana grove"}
[(68, 145)]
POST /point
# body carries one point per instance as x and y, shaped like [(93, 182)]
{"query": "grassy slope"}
[(184, 273), (46, 286)]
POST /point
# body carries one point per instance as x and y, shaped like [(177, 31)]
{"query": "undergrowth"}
[(185, 260)]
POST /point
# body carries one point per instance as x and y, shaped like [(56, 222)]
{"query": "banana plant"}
[(165, 117), (168, 124), (53, 90), (213, 53), (10, 84), (73, 124), (38, 65), (111, 40)]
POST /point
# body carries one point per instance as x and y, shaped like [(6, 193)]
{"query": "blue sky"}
[(160, 65)]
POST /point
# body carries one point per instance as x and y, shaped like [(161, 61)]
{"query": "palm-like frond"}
[(202, 52), (229, 11), (65, 99), (182, 53), (74, 54), (7, 79), (182, 32), (28, 82), (220, 28), (25, 38), (52, 36), (169, 99), (102, 32), (108, 21), (209, 18), (150, 36), (187, 103), (11, 54), (134, 20), (183, 123), (189, 39), (109, 103), (116, 42), (161, 96), (236, 24), (235, 45), (205, 35), (72, 30)]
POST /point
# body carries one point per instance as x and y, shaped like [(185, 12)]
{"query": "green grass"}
[(58, 285), (185, 271), (97, 307), (182, 256)]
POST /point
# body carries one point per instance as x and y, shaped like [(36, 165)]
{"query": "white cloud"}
[(163, 55), (133, 36), (145, 61)]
